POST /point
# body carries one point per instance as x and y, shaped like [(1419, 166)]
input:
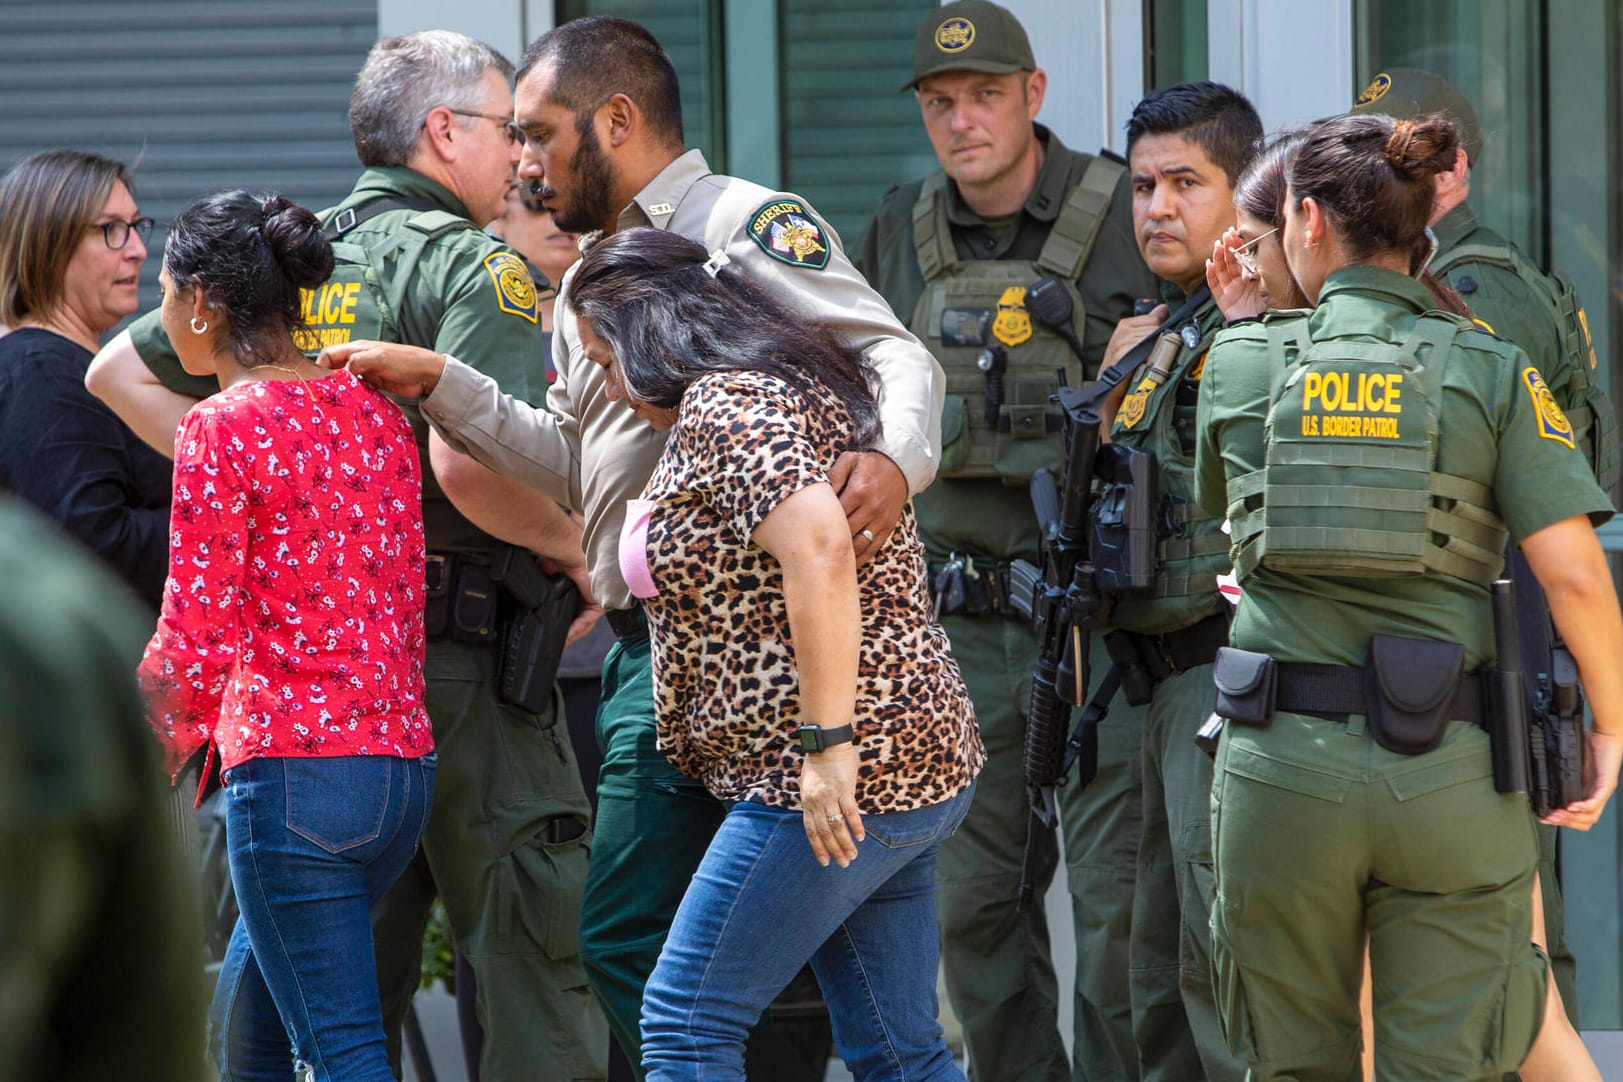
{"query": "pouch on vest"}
[(1410, 687), (473, 608), (1246, 683)]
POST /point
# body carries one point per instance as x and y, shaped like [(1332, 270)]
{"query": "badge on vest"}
[(1552, 423), (1132, 407), (515, 290), (1013, 323), (787, 232)]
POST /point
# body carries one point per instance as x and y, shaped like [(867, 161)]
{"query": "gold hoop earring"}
[(199, 330)]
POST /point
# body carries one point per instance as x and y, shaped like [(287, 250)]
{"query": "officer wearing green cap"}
[(506, 844), (956, 254), (1539, 312)]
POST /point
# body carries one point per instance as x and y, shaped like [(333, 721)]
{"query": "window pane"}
[(1488, 50)]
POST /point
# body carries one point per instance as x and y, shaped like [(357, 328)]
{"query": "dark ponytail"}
[(1375, 176), (253, 254)]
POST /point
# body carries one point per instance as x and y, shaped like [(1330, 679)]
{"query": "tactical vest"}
[(1194, 551), (1594, 422), (1349, 485), (364, 296), (972, 305)]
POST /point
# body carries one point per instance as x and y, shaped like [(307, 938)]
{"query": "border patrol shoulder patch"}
[(1552, 423), (787, 232), (515, 289)]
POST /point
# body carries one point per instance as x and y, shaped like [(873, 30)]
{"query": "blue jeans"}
[(760, 906), (313, 843)]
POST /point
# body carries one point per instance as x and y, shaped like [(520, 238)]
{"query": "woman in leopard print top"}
[(763, 626)]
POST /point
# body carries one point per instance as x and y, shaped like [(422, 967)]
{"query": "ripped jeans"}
[(313, 843)]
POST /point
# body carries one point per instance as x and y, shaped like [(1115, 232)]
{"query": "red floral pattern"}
[(292, 620)]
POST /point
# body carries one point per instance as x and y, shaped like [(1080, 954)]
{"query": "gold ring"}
[(867, 533), (836, 818)]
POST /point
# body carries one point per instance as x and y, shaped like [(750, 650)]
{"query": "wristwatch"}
[(814, 738)]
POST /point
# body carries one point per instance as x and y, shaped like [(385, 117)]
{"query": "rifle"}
[(1080, 564)]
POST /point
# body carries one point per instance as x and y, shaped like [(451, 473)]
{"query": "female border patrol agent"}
[(1371, 459)]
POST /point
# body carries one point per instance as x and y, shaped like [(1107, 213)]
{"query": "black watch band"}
[(813, 738)]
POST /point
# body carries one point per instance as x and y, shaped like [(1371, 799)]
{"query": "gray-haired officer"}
[(956, 255), (1543, 315), (507, 841)]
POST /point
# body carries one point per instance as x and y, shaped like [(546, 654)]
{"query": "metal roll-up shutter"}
[(847, 134), (196, 96)]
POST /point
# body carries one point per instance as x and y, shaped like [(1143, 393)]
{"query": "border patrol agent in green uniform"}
[(100, 960), (957, 255), (1372, 458), (1543, 315), (507, 841), (1187, 145)]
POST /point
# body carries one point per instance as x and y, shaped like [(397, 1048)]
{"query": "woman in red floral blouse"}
[(291, 640)]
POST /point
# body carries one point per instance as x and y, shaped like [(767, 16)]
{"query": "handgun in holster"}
[(542, 606)]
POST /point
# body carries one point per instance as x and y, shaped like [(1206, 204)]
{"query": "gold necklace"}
[(283, 368)]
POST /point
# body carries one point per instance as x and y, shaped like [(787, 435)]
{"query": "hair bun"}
[(1425, 146), (302, 254)]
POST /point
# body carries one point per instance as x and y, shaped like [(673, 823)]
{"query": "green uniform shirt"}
[(460, 300), (1161, 419), (100, 960), (986, 516), (1491, 433), (1499, 298)]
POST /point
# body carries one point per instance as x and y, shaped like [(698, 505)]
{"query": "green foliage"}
[(439, 953)]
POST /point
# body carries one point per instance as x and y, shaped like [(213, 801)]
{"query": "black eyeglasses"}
[(508, 127), (116, 233)]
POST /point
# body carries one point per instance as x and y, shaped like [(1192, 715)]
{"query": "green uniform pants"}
[(512, 896), (1103, 821), (996, 959), (654, 824), (1174, 1015), (1321, 835)]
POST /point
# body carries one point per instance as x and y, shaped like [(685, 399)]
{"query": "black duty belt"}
[(1320, 690), (1181, 650), (969, 585), (627, 623)]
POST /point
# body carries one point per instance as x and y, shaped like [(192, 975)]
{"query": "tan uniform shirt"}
[(594, 454)]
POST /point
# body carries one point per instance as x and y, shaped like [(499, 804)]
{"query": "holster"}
[(1246, 684), (1411, 685)]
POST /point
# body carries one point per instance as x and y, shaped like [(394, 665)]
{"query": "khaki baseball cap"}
[(971, 35), (1410, 93)]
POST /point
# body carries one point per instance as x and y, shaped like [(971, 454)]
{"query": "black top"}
[(68, 454)]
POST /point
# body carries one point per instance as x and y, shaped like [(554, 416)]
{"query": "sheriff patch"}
[(1375, 91), (955, 35), (787, 232), (515, 289), (1552, 423), (1013, 323)]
